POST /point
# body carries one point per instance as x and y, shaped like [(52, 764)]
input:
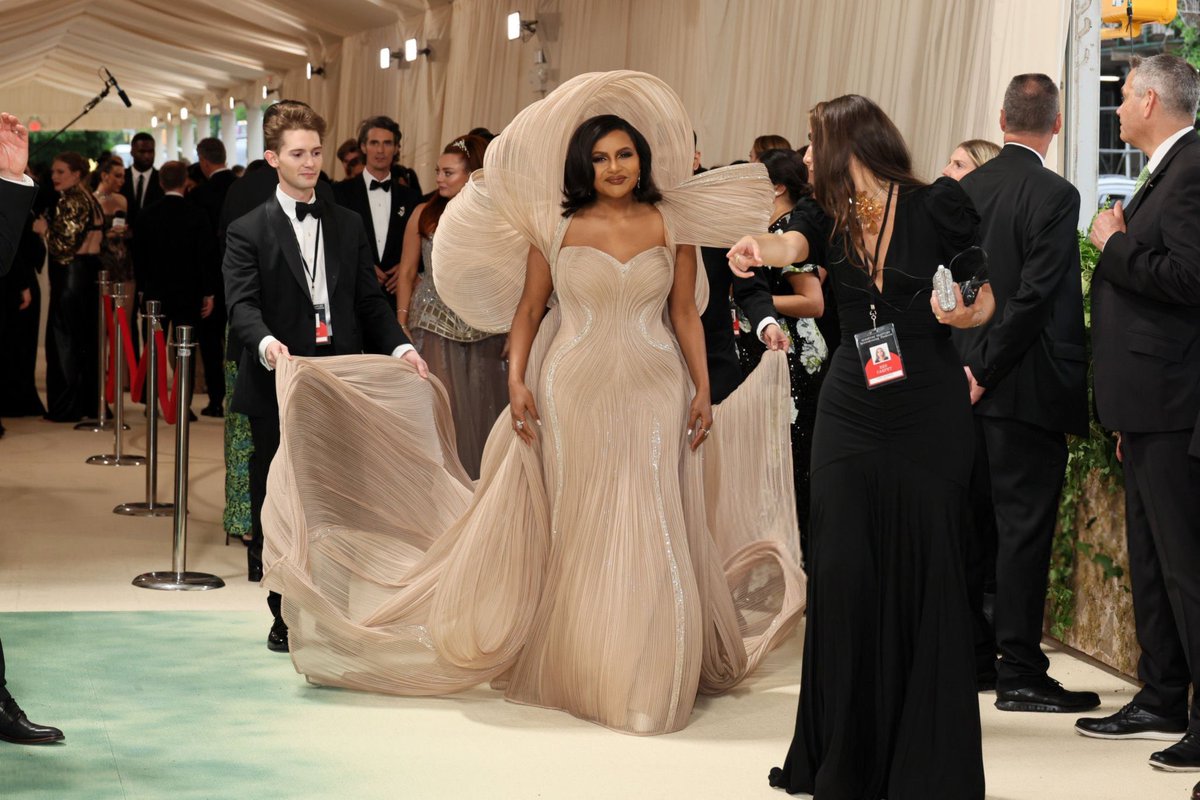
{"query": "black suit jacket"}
[(754, 297), (153, 193), (1146, 305), (15, 202), (175, 257), (211, 194), (1032, 356), (268, 294), (352, 194)]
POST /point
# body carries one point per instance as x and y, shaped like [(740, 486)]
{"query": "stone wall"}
[(1104, 626)]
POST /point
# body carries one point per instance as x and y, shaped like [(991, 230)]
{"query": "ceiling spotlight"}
[(385, 57), (154, 121), (170, 118), (183, 113), (208, 109), (310, 71), (520, 28), (232, 103), (1110, 78)]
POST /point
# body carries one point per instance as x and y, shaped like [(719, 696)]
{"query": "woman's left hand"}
[(700, 420), (964, 316)]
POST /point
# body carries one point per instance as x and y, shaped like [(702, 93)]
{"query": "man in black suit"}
[(753, 296), (383, 202), (17, 193), (175, 253), (1146, 344), (141, 187), (1028, 379), (298, 278), (210, 196)]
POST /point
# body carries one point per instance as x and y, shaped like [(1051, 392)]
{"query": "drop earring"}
[(639, 183)]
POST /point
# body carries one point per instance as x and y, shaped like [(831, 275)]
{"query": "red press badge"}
[(323, 334), (879, 353)]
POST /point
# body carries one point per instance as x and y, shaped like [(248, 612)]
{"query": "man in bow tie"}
[(298, 281), (383, 202)]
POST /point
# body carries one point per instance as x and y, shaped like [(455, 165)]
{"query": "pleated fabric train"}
[(606, 570)]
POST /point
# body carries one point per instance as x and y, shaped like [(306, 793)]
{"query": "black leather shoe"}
[(277, 639), (15, 727), (1183, 756), (1132, 722), (212, 411), (1046, 695), (1196, 792)]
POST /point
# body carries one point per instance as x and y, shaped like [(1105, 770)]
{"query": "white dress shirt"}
[(133, 182), (1161, 151), (381, 210), (24, 180), (314, 266)]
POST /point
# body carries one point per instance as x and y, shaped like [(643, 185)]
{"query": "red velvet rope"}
[(138, 369)]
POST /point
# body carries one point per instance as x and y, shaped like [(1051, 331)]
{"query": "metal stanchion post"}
[(101, 422), (117, 458), (178, 578), (150, 508)]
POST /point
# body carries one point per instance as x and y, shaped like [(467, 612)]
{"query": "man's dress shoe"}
[(1045, 695), (212, 411), (1132, 722), (1183, 756), (277, 639), (15, 727)]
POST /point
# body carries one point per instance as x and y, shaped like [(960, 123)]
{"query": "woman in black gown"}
[(888, 705)]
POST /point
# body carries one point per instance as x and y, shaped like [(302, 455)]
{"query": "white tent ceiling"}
[(167, 53)]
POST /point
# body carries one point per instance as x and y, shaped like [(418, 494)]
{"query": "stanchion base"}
[(178, 581), (145, 509), (95, 426), (111, 460)]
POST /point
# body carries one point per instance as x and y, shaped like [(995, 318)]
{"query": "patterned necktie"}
[(1142, 177)]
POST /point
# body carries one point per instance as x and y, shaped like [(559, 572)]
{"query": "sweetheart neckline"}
[(610, 256)]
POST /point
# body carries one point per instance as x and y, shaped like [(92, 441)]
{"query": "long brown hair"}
[(851, 126), (470, 149)]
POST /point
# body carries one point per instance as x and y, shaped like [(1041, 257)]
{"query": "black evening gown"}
[(888, 702)]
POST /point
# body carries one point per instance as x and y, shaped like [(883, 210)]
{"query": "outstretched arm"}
[(768, 249), (527, 320)]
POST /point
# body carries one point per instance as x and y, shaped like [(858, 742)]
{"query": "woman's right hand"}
[(40, 226), (523, 410), (744, 256)]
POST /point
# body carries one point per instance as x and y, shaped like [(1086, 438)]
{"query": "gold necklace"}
[(869, 210)]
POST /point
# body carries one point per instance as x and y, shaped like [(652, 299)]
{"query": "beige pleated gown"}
[(607, 570)]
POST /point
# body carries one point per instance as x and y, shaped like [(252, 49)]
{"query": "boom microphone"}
[(120, 92)]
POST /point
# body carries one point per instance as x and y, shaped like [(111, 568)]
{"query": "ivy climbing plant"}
[(1088, 458)]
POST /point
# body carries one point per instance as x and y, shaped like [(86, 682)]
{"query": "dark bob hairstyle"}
[(786, 168), (579, 174)]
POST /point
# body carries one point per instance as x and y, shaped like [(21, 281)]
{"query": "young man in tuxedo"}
[(17, 193), (1146, 346), (299, 279), (210, 196), (1027, 373), (382, 202)]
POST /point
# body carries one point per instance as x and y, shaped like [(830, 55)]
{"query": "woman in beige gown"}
[(605, 569)]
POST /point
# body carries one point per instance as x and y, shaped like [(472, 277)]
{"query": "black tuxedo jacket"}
[(153, 193), (268, 294), (754, 297), (175, 257), (1146, 305), (1032, 356), (352, 194), (15, 202), (210, 195)]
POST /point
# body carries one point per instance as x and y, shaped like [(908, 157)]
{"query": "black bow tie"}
[(304, 209), (385, 185)]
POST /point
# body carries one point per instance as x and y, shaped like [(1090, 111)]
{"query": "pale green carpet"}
[(163, 704)]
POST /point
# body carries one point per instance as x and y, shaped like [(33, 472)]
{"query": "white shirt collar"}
[(137, 171), (1041, 158), (368, 177), (1161, 151), (218, 170), (174, 193), (288, 203)]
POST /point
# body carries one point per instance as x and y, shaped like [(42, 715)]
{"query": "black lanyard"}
[(311, 273)]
